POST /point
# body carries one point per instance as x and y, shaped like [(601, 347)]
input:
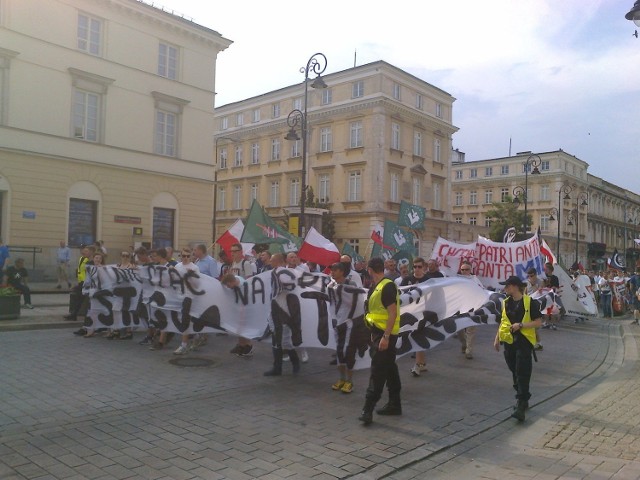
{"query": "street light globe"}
[(634, 14)]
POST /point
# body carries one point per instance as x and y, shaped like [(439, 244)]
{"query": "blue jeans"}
[(605, 298)]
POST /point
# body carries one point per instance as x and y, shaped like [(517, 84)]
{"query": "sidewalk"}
[(50, 306)]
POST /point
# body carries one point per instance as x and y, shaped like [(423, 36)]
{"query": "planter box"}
[(10, 307)]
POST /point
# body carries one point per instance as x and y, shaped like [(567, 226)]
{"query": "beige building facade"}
[(377, 136), (106, 116), (580, 216)]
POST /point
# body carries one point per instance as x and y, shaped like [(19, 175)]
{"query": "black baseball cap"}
[(513, 280)]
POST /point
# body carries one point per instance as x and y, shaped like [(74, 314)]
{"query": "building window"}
[(239, 119), (326, 96), (395, 136), (419, 101), (416, 191), (357, 89), (275, 149), (487, 222), (473, 197), (488, 197), (253, 192), (255, 116), (439, 110), (544, 166), (458, 199), (294, 191), (396, 91), (237, 197), (437, 150), (355, 243), (458, 174), (295, 148), (163, 227), (488, 171), (355, 134), (473, 221), (86, 114), (504, 195), (297, 103), (326, 139), (394, 194), (222, 199), (224, 123), (417, 144), (458, 220), (437, 194), (274, 194), (324, 188), (222, 159), (354, 191), (89, 34), (237, 159), (255, 153), (166, 131), (168, 61), (473, 173), (504, 170), (544, 192), (83, 221), (544, 223), (275, 110)]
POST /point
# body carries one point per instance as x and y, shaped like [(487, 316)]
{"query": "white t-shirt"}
[(243, 268), (182, 268)]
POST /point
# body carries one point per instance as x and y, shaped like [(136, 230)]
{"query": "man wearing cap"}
[(520, 317)]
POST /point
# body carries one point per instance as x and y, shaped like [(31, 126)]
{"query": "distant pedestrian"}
[(520, 317), (4, 257), (63, 258), (18, 278)]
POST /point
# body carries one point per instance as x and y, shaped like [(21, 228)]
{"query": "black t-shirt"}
[(552, 281), (515, 310), (389, 294), (15, 275), (412, 280)]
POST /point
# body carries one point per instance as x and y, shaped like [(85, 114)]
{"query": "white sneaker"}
[(181, 350), (418, 368), (304, 356), (29, 306)]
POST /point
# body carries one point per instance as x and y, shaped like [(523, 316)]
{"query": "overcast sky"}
[(548, 74)]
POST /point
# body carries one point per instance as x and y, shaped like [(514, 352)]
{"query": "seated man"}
[(18, 278)]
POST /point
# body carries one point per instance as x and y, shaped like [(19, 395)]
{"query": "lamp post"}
[(215, 188), (566, 190), (535, 161), (581, 201), (634, 13), (316, 64)]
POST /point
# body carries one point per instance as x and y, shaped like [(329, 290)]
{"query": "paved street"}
[(92, 408)]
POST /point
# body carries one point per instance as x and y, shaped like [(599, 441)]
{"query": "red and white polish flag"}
[(318, 249)]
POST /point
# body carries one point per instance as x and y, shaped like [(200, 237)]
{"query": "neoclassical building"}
[(582, 217), (106, 114), (377, 135)]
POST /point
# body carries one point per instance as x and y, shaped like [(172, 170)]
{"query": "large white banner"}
[(494, 262), (449, 255)]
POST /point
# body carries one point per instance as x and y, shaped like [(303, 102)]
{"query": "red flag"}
[(318, 249), (233, 235), (376, 236)]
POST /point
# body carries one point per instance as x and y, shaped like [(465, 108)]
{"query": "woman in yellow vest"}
[(517, 332)]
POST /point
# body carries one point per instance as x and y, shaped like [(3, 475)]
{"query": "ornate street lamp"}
[(566, 190), (535, 161), (317, 64), (634, 14), (581, 201)]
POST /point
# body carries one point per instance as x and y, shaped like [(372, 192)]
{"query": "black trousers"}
[(384, 370), (518, 356)]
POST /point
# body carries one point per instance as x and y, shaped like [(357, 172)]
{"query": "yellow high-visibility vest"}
[(377, 314), (504, 332)]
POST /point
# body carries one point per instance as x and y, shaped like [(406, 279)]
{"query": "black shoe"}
[(70, 318), (518, 413), (366, 417), (82, 331), (390, 409), (274, 372)]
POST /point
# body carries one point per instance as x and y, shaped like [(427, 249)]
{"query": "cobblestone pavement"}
[(91, 408)]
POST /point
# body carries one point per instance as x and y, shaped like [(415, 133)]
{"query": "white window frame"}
[(437, 196), (222, 158), (488, 171), (327, 96), (504, 193), (253, 192), (545, 166), (255, 115), (275, 149), (504, 170), (326, 139), (416, 190), (395, 136), (224, 123), (297, 103), (86, 115), (544, 223), (166, 133), (473, 221), (544, 192), (397, 90), (473, 173), (237, 197), (295, 148), (417, 143), (419, 101), (168, 60), (222, 199), (294, 191), (275, 110), (237, 156), (458, 220), (239, 119), (89, 36), (355, 134), (458, 200), (394, 193), (324, 187), (354, 186), (357, 89), (473, 197), (437, 151), (274, 194), (255, 153), (488, 197), (459, 175), (438, 110)]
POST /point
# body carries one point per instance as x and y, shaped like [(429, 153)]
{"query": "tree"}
[(506, 215)]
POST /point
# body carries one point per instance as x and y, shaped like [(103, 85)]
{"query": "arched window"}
[(84, 210)]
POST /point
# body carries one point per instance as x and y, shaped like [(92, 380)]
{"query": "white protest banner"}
[(449, 255), (497, 261), (576, 299)]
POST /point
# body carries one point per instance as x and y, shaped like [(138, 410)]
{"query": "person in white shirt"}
[(241, 267), (183, 267), (468, 335)]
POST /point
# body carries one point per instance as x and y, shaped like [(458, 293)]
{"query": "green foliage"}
[(504, 215), (8, 291)]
